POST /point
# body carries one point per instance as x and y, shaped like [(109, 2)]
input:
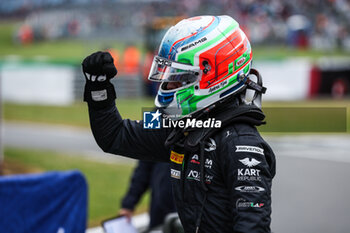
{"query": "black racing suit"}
[(237, 171)]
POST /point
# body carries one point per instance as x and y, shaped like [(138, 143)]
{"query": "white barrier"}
[(37, 83), (42, 83), (286, 79)]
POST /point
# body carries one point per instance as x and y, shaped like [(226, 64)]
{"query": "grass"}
[(284, 117), (76, 115), (281, 52), (107, 182), (311, 116), (74, 50), (66, 51), (61, 50)]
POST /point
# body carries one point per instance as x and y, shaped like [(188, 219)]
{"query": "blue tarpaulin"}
[(53, 202)]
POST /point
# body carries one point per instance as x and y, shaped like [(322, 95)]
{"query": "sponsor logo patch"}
[(249, 174), (195, 175), (250, 189), (249, 162), (240, 61), (99, 95), (176, 157), (195, 159), (251, 149), (211, 145), (194, 44), (175, 173), (208, 163), (242, 203)]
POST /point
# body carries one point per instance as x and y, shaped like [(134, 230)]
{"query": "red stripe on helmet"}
[(193, 34), (220, 56)]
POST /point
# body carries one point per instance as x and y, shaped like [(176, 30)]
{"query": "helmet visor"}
[(164, 70)]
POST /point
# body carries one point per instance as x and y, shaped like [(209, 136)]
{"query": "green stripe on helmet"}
[(189, 103)]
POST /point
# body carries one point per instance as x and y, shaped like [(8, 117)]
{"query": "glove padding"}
[(98, 69)]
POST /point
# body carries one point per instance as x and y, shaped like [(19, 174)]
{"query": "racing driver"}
[(221, 173)]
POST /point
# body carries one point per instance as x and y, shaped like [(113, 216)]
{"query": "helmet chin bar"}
[(256, 86)]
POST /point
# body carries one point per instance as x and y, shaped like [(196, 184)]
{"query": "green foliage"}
[(107, 182)]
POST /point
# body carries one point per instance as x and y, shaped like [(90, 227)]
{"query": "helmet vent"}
[(207, 67)]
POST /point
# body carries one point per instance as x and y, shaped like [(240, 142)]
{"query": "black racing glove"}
[(98, 69)]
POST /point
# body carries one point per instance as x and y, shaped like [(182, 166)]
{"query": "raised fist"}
[(99, 67)]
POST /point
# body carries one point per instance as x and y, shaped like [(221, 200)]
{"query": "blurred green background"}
[(73, 50)]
